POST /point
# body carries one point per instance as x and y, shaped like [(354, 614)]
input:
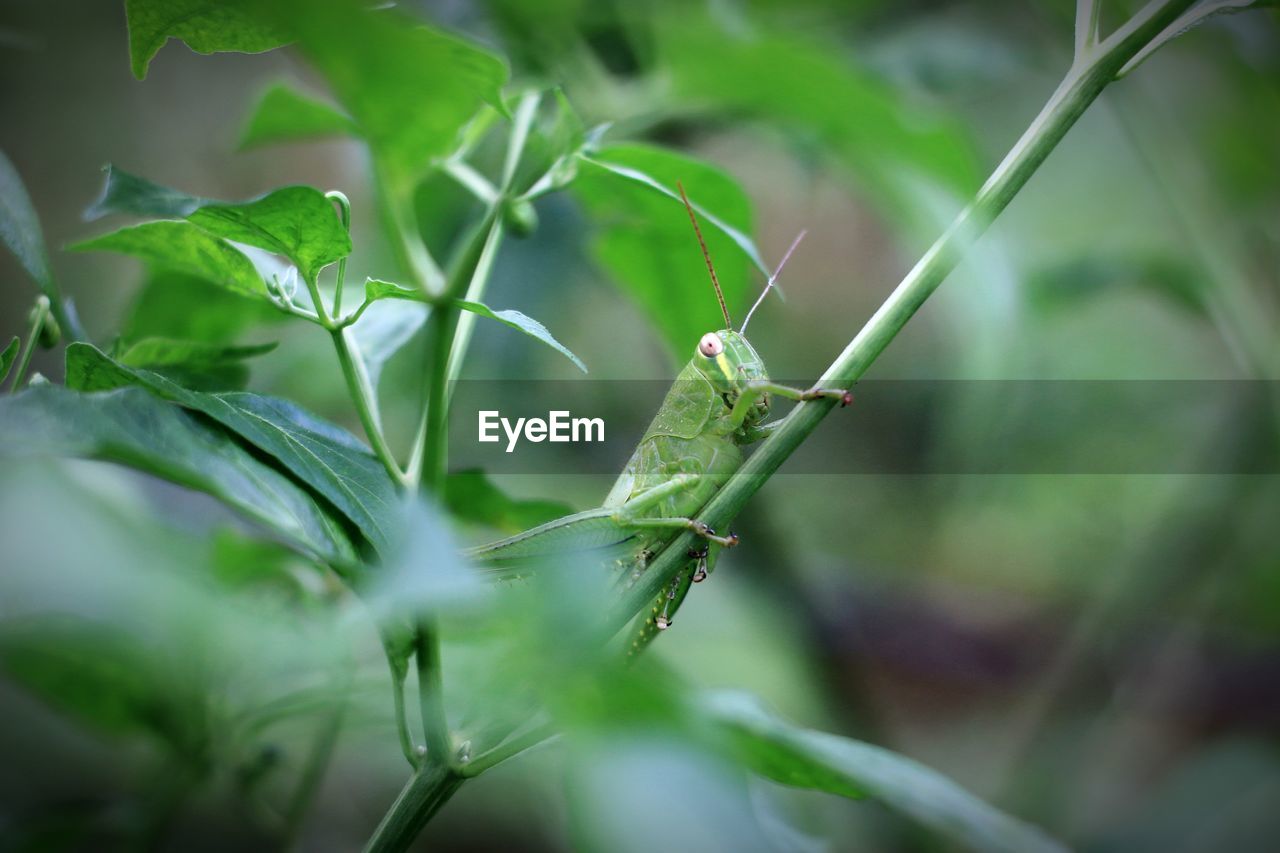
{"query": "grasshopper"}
[(718, 404)]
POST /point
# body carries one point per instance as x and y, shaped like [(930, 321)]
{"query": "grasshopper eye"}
[(711, 345)]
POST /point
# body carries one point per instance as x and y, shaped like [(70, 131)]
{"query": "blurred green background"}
[(1099, 654)]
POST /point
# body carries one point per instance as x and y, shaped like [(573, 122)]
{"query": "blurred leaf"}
[(284, 115), (207, 26), (1060, 285), (7, 357), (624, 789), (471, 496), (825, 762), (330, 460), (805, 83), (644, 239), (133, 428), (126, 193), (297, 222), (423, 570), (523, 323), (240, 561), (19, 226), (104, 678), (382, 330), (194, 364), (163, 308), (185, 248), (409, 88)]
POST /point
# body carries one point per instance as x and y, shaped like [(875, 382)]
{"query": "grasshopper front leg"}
[(629, 513), (757, 388)]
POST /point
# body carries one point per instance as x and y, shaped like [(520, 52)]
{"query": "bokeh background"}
[(1096, 650)]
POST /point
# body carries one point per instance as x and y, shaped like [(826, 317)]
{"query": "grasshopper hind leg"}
[(662, 611)]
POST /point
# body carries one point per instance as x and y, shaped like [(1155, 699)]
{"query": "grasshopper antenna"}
[(773, 278), (715, 282)]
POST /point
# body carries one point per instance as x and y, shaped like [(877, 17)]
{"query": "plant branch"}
[(1088, 13), (344, 207), (508, 749), (39, 314), (422, 796), (362, 396)]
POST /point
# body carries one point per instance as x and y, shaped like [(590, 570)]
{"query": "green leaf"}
[(336, 464), (472, 497), (19, 226), (126, 193), (134, 428), (824, 762), (523, 323), (375, 289), (238, 561), (167, 352), (810, 85), (183, 247), (207, 26), (194, 364), (409, 88), (297, 222), (644, 240), (163, 308), (616, 159), (284, 115), (7, 357)]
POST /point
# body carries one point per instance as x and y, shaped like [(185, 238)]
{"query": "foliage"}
[(466, 151)]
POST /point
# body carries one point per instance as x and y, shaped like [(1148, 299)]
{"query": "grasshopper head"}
[(729, 362)]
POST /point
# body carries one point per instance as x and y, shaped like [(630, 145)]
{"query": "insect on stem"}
[(715, 282), (773, 278)]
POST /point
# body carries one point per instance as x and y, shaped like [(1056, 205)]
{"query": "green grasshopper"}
[(718, 403)]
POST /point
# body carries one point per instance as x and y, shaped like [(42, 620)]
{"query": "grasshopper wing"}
[(593, 532)]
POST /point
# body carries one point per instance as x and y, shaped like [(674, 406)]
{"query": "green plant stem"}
[(344, 211), (507, 749), (396, 208), (422, 796), (354, 374), (435, 723), (450, 329), (402, 720), (362, 397), (427, 465), (39, 315)]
